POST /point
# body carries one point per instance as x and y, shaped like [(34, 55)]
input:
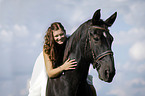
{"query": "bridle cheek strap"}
[(108, 52)]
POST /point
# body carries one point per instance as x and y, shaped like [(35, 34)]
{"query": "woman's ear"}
[(111, 19)]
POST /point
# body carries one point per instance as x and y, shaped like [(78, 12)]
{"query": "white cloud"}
[(20, 30), (78, 17), (136, 86), (129, 37), (137, 51), (131, 10), (127, 81), (135, 15), (141, 68), (117, 92), (130, 88), (137, 81), (130, 67), (38, 35), (8, 33), (37, 40), (6, 36)]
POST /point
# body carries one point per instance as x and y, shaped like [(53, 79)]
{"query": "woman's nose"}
[(59, 37)]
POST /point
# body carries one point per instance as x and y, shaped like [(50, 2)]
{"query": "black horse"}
[(90, 43)]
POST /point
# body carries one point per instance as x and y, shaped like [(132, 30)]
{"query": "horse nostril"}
[(107, 73)]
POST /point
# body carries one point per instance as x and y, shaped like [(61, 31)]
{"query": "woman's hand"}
[(69, 64)]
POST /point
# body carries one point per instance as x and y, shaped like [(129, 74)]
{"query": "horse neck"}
[(78, 52), (75, 50), (72, 43)]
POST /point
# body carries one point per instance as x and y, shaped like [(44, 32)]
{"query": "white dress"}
[(39, 78)]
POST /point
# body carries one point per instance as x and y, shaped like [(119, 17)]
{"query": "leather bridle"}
[(103, 54), (107, 52)]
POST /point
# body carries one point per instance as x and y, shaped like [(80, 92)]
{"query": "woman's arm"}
[(68, 65)]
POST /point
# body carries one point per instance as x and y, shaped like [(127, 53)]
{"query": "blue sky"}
[(23, 24)]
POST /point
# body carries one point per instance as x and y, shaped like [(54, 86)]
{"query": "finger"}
[(71, 68), (72, 60), (73, 63), (68, 59)]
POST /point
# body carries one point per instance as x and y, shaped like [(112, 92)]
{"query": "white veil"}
[(39, 78)]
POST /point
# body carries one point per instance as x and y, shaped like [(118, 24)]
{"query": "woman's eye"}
[(61, 35), (56, 36)]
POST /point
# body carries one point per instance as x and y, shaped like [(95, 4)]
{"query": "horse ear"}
[(111, 19), (96, 16)]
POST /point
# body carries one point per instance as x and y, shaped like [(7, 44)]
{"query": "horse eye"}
[(96, 38), (92, 34)]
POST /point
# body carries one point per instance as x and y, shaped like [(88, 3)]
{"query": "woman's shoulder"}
[(45, 55)]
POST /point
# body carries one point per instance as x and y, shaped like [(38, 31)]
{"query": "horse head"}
[(100, 41)]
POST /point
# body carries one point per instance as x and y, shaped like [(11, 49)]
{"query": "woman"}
[(49, 63), (53, 50)]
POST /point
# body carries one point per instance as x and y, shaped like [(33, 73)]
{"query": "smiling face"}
[(59, 36)]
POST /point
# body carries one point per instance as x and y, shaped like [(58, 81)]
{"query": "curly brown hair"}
[(54, 50)]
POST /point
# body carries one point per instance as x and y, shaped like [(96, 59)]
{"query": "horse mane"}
[(74, 38)]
